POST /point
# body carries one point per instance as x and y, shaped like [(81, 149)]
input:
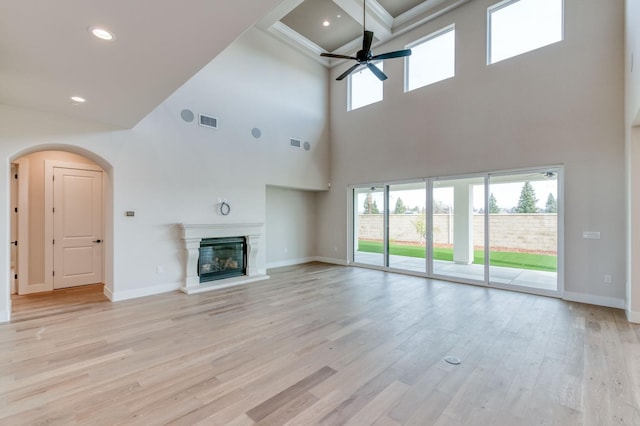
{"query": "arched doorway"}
[(34, 257)]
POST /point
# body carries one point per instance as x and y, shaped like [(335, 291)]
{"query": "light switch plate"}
[(591, 235)]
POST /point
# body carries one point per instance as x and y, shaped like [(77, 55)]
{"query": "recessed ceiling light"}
[(78, 100), (339, 16), (326, 23), (101, 33)]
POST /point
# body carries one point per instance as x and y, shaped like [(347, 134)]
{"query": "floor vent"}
[(208, 121), (296, 143)]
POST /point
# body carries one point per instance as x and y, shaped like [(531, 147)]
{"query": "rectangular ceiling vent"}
[(208, 121), (295, 142)]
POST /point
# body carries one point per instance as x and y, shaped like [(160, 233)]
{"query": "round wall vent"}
[(187, 115), (307, 146), (256, 133)]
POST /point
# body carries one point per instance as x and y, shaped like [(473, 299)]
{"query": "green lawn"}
[(536, 262)]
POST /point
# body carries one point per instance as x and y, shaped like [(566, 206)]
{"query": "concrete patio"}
[(541, 280)]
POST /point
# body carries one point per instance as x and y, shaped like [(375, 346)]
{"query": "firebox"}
[(222, 258)]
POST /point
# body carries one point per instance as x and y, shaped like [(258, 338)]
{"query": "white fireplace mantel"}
[(192, 234)]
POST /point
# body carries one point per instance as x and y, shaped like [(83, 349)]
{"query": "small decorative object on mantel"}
[(225, 208)]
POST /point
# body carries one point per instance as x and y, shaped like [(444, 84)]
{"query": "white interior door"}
[(77, 227)]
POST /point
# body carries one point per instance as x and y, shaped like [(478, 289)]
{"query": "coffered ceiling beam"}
[(378, 19), (279, 12), (298, 41)]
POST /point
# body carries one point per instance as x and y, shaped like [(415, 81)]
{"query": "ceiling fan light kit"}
[(366, 56)]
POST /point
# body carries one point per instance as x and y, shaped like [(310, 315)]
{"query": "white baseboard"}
[(290, 262), (5, 316), (610, 302), (293, 262), (331, 260), (633, 316), (107, 292), (117, 296)]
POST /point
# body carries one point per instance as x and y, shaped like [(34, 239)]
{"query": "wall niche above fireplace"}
[(221, 255)]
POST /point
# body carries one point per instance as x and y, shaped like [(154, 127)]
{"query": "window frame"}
[(350, 86), (504, 4), (422, 40), (429, 272)]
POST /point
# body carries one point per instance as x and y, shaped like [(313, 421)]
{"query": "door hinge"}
[(15, 277), (15, 176), (53, 209), (15, 243), (53, 273), (16, 210), (54, 241)]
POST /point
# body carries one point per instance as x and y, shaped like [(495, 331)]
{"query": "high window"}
[(364, 87), (519, 26), (432, 59)]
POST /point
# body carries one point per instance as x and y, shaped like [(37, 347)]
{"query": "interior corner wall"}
[(170, 171), (562, 104), (291, 219)]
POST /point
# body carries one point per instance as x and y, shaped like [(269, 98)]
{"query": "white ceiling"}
[(299, 22), (47, 54)]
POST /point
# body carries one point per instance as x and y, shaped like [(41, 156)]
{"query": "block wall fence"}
[(509, 232)]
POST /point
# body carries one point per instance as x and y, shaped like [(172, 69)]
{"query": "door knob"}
[(97, 241)]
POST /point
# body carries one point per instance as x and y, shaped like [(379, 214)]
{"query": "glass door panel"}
[(523, 224), (368, 226), (457, 241), (408, 226)]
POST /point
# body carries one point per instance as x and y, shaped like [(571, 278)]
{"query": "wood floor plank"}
[(318, 344), (267, 407)]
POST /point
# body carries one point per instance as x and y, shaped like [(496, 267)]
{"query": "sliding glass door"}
[(369, 235), (408, 226), (458, 228), (495, 229), (523, 223)]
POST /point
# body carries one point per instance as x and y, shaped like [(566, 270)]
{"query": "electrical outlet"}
[(608, 279)]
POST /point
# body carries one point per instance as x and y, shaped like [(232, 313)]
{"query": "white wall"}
[(632, 91), (290, 227), (562, 104), (169, 171)]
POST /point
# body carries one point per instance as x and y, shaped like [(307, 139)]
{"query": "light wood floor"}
[(319, 344)]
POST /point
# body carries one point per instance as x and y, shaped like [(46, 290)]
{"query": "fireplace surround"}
[(193, 235)]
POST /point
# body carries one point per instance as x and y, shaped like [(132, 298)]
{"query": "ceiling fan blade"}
[(332, 55), (381, 76), (391, 55), (347, 72), (367, 39)]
